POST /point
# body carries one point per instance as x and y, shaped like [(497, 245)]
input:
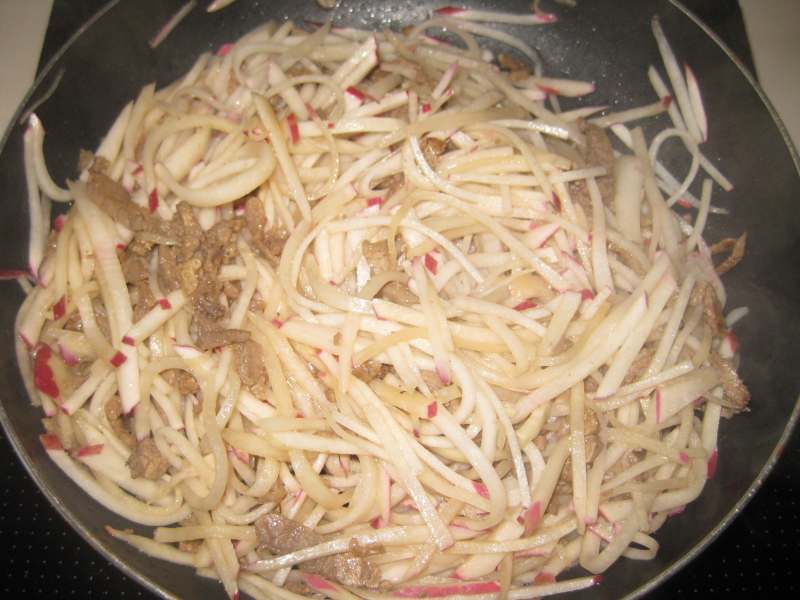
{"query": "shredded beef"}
[(167, 269), (597, 152), (113, 412), (370, 370), (397, 292), (736, 247), (134, 267), (250, 362), (280, 535), (377, 255), (181, 380), (147, 461), (432, 149), (735, 391), (114, 200), (704, 294), (208, 339)]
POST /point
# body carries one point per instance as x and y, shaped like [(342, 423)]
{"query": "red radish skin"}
[(294, 130), (544, 578), (128, 340), (375, 201), (50, 442), (59, 308), (733, 342), (587, 295), (67, 355), (481, 490), (532, 517), (684, 458), (118, 359), (152, 200), (442, 591), (444, 374), (546, 17), (448, 10), (356, 93), (90, 450), (433, 410), (556, 201), (658, 406), (277, 322), (666, 101), (711, 466), (318, 583), (431, 264), (683, 202), (525, 305), (676, 511), (43, 377), (164, 303), (597, 579), (426, 107), (224, 49), (58, 223), (8, 274)]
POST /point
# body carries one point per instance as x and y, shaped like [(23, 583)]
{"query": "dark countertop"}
[(754, 557)]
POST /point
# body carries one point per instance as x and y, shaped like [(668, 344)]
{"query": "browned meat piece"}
[(432, 149), (168, 274), (370, 370), (85, 159), (231, 290), (134, 267), (209, 339), (377, 255), (189, 275), (101, 318), (736, 394), (397, 292), (254, 217), (114, 200), (269, 242), (597, 152), (113, 411), (221, 238), (272, 243), (280, 536), (639, 365), (250, 362), (146, 461), (518, 70), (712, 309), (142, 299), (140, 247), (191, 233), (392, 183), (736, 247), (182, 380)]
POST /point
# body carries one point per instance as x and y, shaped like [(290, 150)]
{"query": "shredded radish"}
[(343, 280)]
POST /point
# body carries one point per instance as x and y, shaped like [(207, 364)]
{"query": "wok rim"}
[(98, 543)]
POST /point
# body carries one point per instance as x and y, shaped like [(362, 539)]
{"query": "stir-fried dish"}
[(364, 314)]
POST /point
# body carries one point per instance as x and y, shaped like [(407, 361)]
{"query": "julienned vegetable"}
[(366, 315)]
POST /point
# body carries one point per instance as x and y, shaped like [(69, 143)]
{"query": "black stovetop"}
[(754, 557)]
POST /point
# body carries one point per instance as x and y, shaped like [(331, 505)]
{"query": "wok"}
[(606, 41)]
